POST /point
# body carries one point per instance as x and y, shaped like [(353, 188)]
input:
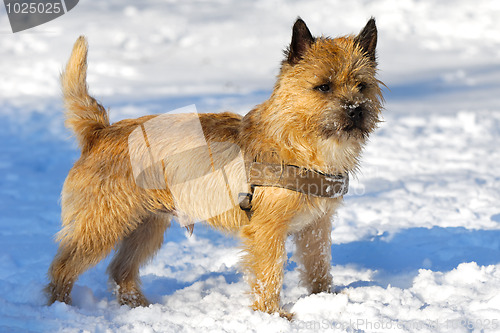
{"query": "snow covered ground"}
[(417, 243)]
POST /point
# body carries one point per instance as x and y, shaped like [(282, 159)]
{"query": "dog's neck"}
[(263, 139)]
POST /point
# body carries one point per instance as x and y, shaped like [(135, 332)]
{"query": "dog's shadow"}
[(355, 284), (157, 288), (397, 258)]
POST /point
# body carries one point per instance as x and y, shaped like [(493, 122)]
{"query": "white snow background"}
[(417, 243)]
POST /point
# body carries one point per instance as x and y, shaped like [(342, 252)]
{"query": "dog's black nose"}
[(355, 113)]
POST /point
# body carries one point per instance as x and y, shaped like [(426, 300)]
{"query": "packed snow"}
[(417, 242)]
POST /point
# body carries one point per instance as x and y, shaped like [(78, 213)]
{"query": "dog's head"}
[(327, 87)]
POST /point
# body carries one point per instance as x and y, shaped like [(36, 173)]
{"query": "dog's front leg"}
[(314, 254), (264, 240)]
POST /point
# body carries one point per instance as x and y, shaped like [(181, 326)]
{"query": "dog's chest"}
[(319, 207)]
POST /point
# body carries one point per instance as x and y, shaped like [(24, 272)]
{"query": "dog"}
[(324, 105)]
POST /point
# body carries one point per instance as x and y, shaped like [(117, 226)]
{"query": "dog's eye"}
[(362, 86), (323, 88)]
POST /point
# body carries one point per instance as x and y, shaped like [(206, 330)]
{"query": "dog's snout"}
[(355, 113)]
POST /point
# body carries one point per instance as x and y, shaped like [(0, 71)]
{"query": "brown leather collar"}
[(291, 177)]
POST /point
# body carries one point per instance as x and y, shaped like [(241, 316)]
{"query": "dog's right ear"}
[(301, 41)]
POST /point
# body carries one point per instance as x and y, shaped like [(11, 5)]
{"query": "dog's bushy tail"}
[(84, 115)]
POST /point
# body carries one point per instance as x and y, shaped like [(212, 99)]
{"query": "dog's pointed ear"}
[(301, 41), (367, 39)]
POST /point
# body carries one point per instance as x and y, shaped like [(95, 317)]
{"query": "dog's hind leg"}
[(135, 250), (91, 231), (79, 250), (63, 273)]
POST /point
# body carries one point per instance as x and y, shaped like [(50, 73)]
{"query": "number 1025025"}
[(34, 7)]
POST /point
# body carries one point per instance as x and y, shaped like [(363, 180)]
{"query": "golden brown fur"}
[(324, 105)]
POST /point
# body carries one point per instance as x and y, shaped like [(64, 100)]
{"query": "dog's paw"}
[(57, 294), (133, 299), (285, 314)]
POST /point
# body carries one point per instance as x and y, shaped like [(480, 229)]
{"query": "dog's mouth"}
[(346, 131), (352, 129), (355, 130), (353, 121)]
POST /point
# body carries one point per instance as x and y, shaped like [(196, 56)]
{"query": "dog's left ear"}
[(367, 39), (301, 41)]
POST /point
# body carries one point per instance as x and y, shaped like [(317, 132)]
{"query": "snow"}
[(417, 243)]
